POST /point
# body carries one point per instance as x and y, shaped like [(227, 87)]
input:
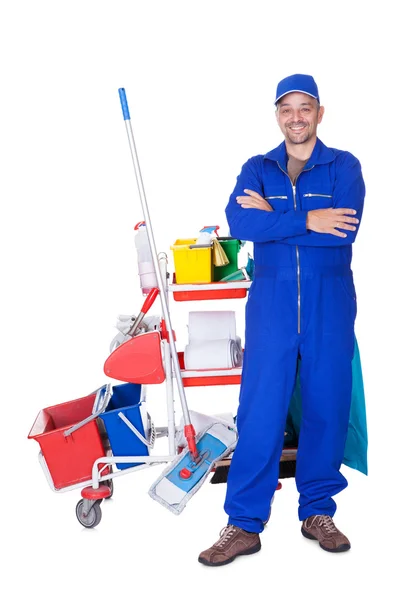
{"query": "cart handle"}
[(136, 432), (107, 396)]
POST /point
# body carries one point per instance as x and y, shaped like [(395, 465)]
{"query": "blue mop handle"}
[(160, 281), (124, 104)]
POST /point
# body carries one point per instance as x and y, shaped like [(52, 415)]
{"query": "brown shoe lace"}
[(225, 534), (326, 522)]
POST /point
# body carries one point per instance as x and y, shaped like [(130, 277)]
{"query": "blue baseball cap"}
[(297, 83)]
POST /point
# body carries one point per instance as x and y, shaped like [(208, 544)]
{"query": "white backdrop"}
[(200, 80)]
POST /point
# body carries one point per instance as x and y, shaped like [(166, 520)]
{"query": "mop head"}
[(174, 491)]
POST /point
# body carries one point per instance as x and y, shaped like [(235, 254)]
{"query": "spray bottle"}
[(205, 236), (148, 279)]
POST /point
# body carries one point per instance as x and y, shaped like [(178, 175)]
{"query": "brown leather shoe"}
[(323, 529), (233, 542)]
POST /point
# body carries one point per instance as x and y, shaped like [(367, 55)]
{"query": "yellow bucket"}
[(192, 265)]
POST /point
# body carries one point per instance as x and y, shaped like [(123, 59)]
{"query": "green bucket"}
[(231, 247)]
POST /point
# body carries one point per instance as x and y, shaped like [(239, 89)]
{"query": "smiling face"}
[(298, 116)]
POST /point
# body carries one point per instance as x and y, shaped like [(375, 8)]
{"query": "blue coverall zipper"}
[(297, 250), (298, 269)]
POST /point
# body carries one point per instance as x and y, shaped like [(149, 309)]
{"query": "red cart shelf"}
[(217, 290)]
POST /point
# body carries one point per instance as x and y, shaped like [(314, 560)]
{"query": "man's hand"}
[(329, 220), (253, 200)]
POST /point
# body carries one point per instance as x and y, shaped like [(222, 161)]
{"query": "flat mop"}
[(189, 470)]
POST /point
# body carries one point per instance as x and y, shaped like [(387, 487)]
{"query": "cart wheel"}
[(93, 518), (110, 484)]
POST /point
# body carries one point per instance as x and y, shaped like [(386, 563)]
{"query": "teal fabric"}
[(355, 454)]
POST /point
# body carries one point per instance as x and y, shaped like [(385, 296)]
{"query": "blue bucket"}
[(125, 399)]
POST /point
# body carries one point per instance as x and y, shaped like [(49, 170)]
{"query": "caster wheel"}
[(93, 518), (110, 484)]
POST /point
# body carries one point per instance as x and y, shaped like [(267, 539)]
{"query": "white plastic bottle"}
[(147, 274)]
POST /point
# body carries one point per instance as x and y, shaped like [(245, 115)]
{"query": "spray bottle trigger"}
[(139, 225), (210, 229)]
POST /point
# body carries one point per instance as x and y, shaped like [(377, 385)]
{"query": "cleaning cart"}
[(88, 442)]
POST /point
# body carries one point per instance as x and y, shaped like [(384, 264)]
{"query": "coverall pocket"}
[(314, 201), (348, 287), (339, 308), (258, 312), (278, 202)]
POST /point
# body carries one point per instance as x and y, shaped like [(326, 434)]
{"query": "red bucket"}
[(69, 458)]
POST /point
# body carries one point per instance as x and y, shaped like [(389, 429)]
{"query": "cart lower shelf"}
[(288, 454), (204, 377), (287, 467)]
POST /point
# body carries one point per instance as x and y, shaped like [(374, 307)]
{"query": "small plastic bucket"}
[(231, 247), (192, 265), (126, 400)]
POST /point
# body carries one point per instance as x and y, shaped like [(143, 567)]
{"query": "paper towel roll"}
[(211, 325), (213, 354)]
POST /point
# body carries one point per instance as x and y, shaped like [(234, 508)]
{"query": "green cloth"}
[(355, 453)]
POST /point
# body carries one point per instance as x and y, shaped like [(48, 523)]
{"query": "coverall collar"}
[(321, 155)]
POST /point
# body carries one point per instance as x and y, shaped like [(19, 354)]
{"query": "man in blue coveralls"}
[(301, 205)]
